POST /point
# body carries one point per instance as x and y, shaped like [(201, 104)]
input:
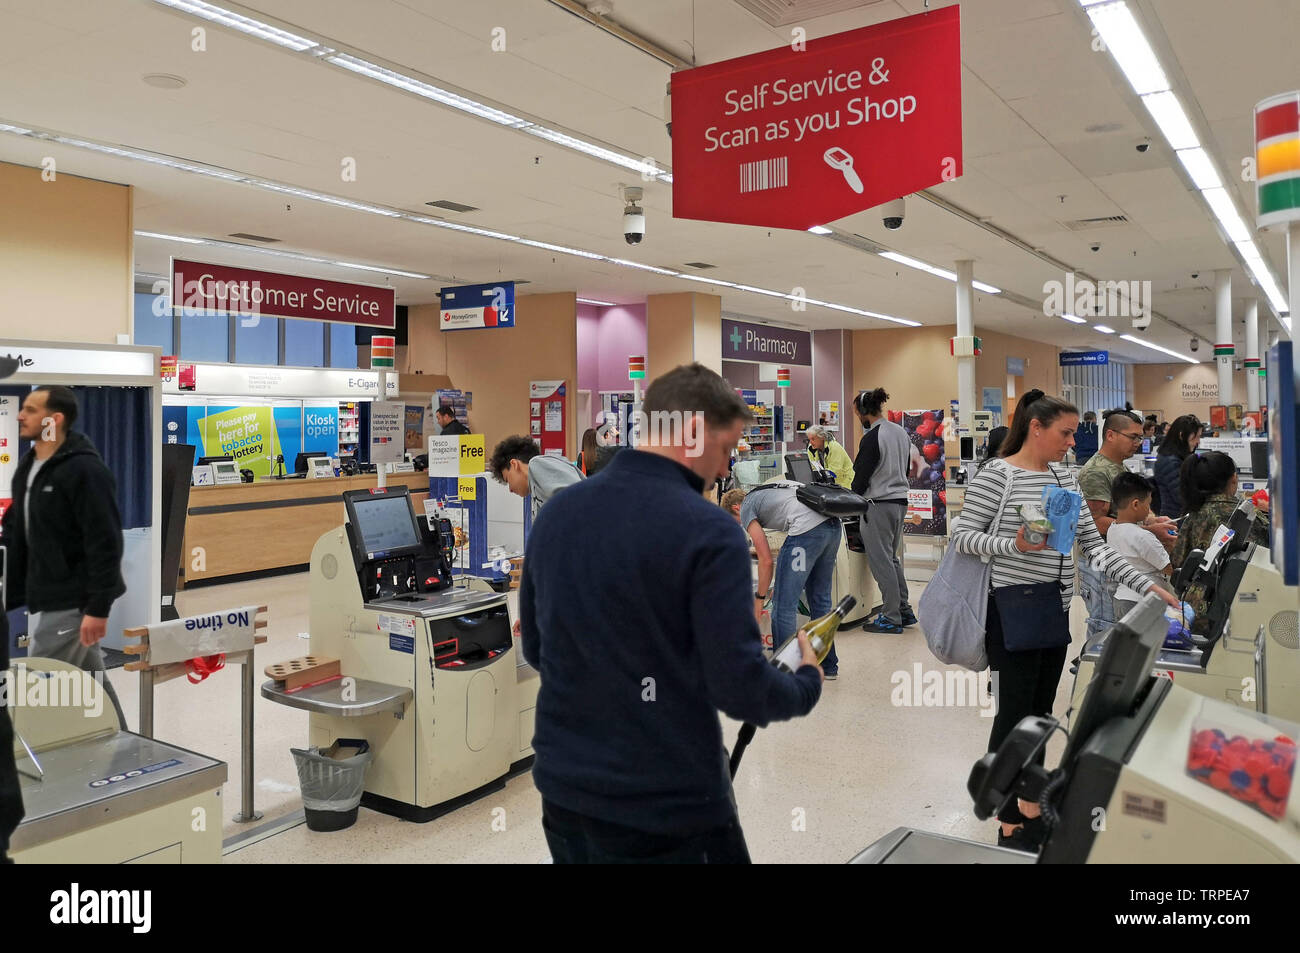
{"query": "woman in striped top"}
[(1041, 433)]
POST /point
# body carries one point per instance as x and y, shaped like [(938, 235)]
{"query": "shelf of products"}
[(760, 433), (349, 428)]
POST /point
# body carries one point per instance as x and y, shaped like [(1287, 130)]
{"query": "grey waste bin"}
[(332, 780)]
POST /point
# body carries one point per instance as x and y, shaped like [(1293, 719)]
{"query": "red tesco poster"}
[(793, 138)]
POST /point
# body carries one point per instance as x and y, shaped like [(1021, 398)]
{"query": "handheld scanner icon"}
[(837, 158)]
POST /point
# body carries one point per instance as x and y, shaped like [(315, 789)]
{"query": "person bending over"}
[(806, 562)]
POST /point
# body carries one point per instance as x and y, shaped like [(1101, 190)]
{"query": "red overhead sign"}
[(199, 288), (797, 137)]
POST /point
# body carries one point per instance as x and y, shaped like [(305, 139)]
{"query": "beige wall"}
[(66, 248), (1177, 389), (915, 367), (496, 365)]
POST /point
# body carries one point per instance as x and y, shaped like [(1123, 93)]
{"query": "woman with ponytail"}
[(1027, 649), (1209, 489)]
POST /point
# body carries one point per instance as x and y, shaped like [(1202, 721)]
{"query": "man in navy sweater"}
[(642, 635)]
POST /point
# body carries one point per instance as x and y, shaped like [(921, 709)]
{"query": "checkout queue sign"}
[(199, 288)]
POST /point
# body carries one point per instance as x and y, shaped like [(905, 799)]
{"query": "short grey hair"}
[(817, 430)]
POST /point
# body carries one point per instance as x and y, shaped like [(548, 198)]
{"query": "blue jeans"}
[(1098, 594), (806, 562)]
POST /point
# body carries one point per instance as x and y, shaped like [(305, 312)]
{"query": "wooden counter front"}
[(270, 524)]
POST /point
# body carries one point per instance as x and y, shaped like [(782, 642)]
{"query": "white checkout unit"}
[(430, 674), (96, 794)]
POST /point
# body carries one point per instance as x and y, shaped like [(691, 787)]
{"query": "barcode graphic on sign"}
[(764, 174)]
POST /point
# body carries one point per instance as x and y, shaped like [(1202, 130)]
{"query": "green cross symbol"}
[(735, 339)]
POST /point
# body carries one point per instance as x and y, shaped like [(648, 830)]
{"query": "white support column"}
[(1252, 355), (1223, 349), (380, 468), (966, 403), (1293, 272)]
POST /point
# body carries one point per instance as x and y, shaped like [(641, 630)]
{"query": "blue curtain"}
[(118, 422)]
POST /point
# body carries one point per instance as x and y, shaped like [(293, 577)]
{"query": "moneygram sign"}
[(758, 342), (204, 289), (807, 134)]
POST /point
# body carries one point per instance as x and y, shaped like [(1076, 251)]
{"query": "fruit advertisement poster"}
[(927, 498)]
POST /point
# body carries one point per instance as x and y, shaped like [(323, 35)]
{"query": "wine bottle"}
[(821, 635)]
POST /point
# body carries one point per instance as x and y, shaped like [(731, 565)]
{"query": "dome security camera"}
[(1144, 145), (1195, 344), (892, 214), (1195, 275), (1095, 246), (633, 217)]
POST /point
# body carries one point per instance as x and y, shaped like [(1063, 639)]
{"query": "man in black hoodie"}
[(64, 537)]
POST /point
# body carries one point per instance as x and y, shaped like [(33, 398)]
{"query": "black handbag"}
[(830, 499), (1031, 614)]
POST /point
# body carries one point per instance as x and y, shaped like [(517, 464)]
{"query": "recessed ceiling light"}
[(1073, 320), (1103, 329), (165, 81), (451, 206), (820, 230)]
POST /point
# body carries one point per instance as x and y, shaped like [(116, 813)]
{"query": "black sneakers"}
[(882, 625)]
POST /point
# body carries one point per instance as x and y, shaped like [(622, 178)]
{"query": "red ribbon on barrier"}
[(201, 668)]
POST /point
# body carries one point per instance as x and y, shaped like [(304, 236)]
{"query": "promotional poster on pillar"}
[(822, 128), (927, 498)]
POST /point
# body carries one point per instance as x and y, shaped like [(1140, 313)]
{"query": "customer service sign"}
[(817, 130), (200, 288)]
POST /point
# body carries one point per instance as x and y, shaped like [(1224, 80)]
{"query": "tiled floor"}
[(818, 789)]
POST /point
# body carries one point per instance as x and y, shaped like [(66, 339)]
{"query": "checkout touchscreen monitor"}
[(383, 522), (798, 467), (1123, 672)]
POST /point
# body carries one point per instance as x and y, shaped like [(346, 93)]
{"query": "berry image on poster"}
[(927, 507)]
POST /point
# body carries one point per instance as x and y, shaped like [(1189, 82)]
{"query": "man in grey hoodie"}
[(880, 475), (520, 464)]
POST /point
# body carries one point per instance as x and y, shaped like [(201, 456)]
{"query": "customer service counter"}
[(270, 524)]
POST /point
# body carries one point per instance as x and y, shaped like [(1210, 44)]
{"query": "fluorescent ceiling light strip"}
[(411, 84), (1248, 251), (1156, 347), (1268, 284), (1225, 210), (1200, 167), (263, 31), (385, 271), (1124, 38), (821, 230), (940, 272), (280, 253), (1103, 329), (373, 209), (603, 304), (1168, 113), (1073, 320), (171, 238)]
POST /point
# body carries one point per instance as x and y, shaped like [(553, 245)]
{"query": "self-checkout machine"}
[(419, 664), (1139, 781)]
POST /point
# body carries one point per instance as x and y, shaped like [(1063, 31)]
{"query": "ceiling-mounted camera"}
[(1195, 344), (1144, 145), (633, 216), (1095, 246), (892, 213)]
